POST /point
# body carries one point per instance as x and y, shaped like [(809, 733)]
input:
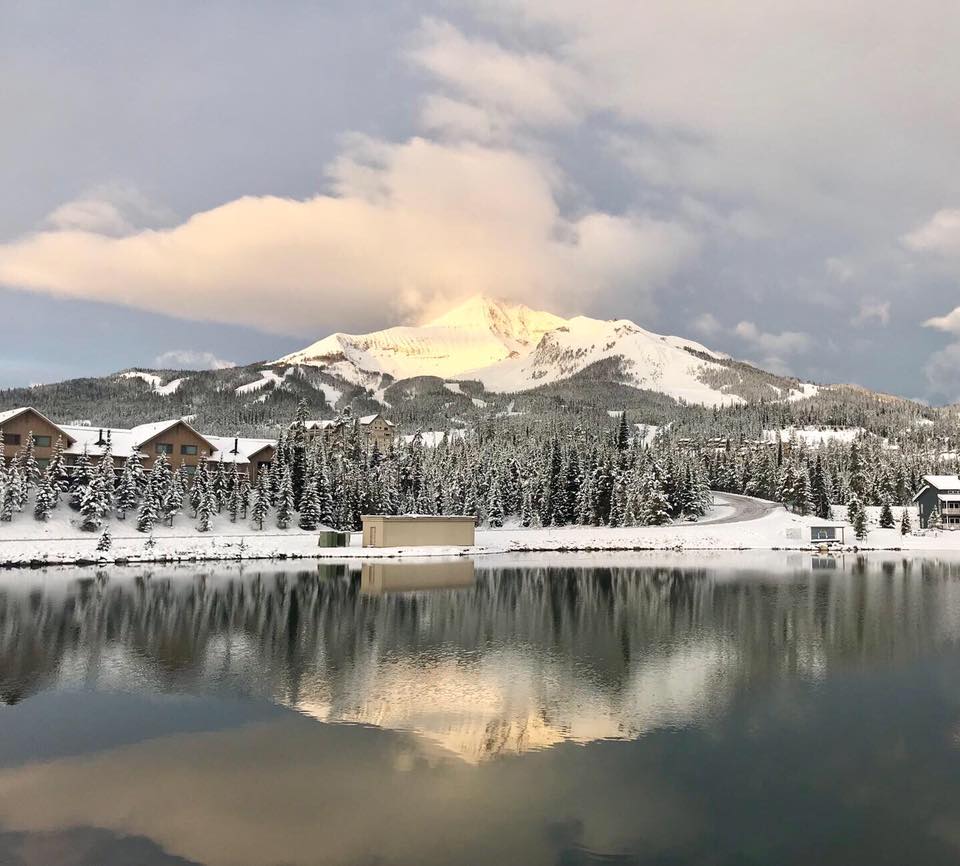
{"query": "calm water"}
[(568, 711)]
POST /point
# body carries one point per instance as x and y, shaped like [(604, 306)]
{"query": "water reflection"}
[(480, 663), (752, 710), (380, 577)]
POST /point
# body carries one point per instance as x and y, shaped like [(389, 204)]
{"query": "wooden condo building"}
[(938, 502), (176, 439)]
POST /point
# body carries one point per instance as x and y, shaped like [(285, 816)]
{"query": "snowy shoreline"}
[(61, 544)]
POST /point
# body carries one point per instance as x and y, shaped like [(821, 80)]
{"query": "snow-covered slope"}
[(647, 360), (479, 333), (509, 348)]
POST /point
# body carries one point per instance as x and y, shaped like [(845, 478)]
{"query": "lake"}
[(562, 710)]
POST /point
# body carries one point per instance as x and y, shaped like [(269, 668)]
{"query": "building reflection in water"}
[(478, 662), (380, 577)]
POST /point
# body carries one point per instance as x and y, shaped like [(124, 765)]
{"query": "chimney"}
[(100, 437), (236, 444)]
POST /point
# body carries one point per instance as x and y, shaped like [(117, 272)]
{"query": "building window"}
[(189, 450), (41, 441), (12, 439), (164, 448), (191, 470), (43, 462)]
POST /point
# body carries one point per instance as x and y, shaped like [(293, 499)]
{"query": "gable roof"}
[(10, 414), (143, 433)]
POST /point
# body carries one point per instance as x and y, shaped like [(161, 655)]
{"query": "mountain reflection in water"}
[(576, 710)]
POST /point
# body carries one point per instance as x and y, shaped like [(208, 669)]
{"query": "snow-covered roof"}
[(943, 482), (369, 419), (949, 497), (10, 414), (233, 449), (123, 442)]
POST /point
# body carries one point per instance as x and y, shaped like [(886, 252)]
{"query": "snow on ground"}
[(480, 404), (152, 380), (267, 377), (25, 540), (814, 435), (803, 392), (432, 438), (170, 388), (646, 433), (453, 387), (155, 382), (330, 394)]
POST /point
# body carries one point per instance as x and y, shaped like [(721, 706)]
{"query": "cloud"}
[(940, 234), (109, 209), (522, 85), (949, 323), (707, 325), (943, 372), (786, 342), (190, 359), (403, 227), (872, 311)]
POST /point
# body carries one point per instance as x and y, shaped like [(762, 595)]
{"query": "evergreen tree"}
[(285, 500), (93, 504), (58, 470), (46, 499), (149, 512), (261, 501), (905, 526), (495, 503), (886, 517), (106, 540), (309, 505)]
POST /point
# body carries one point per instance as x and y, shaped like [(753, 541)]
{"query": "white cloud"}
[(803, 106), (943, 372), (405, 226), (520, 84), (707, 325), (949, 323), (940, 234), (109, 209), (190, 359), (784, 343), (872, 311)]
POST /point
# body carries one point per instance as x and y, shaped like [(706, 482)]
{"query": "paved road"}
[(745, 508)]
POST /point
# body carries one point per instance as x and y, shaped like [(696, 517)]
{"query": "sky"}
[(200, 184)]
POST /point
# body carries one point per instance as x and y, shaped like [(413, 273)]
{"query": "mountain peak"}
[(516, 324)]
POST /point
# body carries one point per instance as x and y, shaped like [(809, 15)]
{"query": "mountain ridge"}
[(509, 348)]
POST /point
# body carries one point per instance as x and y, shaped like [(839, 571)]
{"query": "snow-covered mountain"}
[(510, 348)]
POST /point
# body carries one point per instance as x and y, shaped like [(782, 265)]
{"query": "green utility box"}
[(331, 538)]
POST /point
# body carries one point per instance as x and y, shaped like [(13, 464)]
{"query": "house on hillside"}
[(18, 425), (375, 429), (939, 502), (174, 438)]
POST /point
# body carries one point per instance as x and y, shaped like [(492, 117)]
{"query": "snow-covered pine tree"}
[(285, 500), (29, 467), (59, 472), (46, 499), (905, 525), (261, 501), (80, 476), (655, 505), (886, 517), (128, 492), (93, 504), (494, 502), (106, 540), (309, 504), (149, 512), (18, 487), (206, 508)]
